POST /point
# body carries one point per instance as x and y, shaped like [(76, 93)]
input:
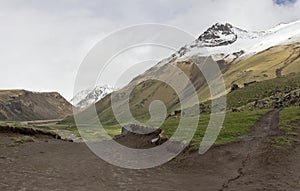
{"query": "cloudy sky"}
[(42, 43)]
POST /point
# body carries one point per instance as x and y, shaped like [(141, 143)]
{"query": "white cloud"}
[(250, 15)]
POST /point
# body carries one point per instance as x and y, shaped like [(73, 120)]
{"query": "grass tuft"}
[(23, 139)]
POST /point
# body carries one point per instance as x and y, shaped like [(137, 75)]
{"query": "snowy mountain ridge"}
[(229, 43), (221, 41), (91, 95)]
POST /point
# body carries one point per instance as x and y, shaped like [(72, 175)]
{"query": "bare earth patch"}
[(252, 164)]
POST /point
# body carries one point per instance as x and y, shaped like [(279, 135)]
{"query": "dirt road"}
[(253, 164)]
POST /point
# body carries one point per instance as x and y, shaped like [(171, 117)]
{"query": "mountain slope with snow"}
[(242, 56), (92, 95), (226, 42)]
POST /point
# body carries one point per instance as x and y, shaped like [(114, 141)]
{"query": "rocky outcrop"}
[(140, 137), (279, 100), (218, 35)]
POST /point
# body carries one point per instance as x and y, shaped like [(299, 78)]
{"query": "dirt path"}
[(254, 148), (252, 164)]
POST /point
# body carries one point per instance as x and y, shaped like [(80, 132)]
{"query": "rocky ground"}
[(253, 164)]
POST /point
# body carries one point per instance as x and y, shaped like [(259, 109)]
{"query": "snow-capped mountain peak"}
[(91, 95), (229, 43), (218, 35)]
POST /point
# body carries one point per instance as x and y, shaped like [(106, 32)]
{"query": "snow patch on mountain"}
[(91, 95)]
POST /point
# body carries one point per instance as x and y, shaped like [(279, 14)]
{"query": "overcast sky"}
[(42, 43)]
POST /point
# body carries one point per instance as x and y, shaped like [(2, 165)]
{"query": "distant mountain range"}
[(92, 95), (22, 105)]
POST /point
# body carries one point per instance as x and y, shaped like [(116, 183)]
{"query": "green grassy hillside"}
[(276, 71)]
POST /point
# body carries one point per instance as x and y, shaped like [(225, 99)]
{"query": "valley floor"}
[(255, 163)]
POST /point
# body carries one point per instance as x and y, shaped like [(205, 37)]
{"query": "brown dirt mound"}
[(139, 137)]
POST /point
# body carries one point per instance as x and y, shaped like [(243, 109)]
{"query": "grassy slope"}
[(232, 127), (263, 65), (288, 124), (263, 89), (259, 67), (242, 97), (288, 118)]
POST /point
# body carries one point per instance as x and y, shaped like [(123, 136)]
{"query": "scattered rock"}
[(234, 87), (235, 110), (248, 83)]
